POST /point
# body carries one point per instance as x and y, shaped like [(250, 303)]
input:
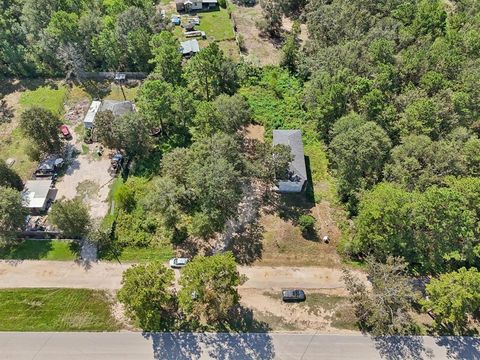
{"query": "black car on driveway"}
[(293, 295)]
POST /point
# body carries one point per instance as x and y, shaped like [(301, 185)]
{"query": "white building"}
[(37, 193)]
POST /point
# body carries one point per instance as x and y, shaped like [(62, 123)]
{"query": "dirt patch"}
[(259, 50), (317, 314), (255, 132)]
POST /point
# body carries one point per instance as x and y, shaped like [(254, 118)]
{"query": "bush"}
[(306, 223), (222, 3)]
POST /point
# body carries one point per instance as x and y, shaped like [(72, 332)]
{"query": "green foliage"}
[(71, 217), (209, 288), (166, 57), (130, 134), (433, 230), (41, 126), (147, 296), (454, 298), (359, 153), (209, 73), (306, 223), (12, 213)]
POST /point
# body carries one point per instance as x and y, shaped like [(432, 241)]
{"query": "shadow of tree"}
[(460, 347), (402, 347), (247, 246), (174, 346), (239, 346)]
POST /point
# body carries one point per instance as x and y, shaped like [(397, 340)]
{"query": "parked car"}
[(178, 263), (293, 295), (65, 132)]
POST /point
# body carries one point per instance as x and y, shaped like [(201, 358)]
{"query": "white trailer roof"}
[(92, 111)]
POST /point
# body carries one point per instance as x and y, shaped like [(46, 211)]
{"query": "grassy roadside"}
[(56, 310), (39, 250)]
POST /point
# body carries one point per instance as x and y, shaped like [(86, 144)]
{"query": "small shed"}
[(92, 111), (36, 194), (297, 172), (189, 47)]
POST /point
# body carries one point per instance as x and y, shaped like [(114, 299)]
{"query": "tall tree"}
[(104, 123), (385, 310), (131, 134), (12, 213), (209, 288), (147, 296), (166, 57), (359, 154), (453, 298), (71, 217), (41, 126), (209, 73)]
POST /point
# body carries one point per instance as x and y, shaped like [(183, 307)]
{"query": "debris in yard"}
[(326, 239), (10, 161)]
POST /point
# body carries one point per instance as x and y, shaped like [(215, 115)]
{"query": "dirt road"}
[(104, 275)]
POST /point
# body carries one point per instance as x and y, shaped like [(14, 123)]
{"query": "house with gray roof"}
[(297, 171), (189, 47), (118, 108), (192, 5)]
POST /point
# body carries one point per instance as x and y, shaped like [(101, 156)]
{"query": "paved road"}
[(103, 275), (182, 346)]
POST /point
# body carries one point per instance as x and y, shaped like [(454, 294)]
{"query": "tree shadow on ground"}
[(12, 85), (402, 347), (247, 246), (287, 206), (239, 346), (460, 347), (175, 345)]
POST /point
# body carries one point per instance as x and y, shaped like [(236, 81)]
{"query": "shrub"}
[(306, 223)]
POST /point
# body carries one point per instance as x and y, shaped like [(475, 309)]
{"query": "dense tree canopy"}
[(42, 127), (71, 217), (147, 295), (12, 213), (209, 288)]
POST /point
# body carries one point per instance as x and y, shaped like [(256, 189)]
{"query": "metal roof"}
[(92, 111), (118, 108), (189, 46), (293, 138), (35, 193)]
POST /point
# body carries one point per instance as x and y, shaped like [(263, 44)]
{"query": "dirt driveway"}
[(106, 275), (87, 177)]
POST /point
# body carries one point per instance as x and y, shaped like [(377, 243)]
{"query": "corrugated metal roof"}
[(92, 111)]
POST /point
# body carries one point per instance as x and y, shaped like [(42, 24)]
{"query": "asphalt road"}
[(182, 346), (106, 275)]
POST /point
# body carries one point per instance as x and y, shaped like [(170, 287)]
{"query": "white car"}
[(178, 263)]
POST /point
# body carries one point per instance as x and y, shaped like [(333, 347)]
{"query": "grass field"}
[(39, 250), (13, 143), (46, 97), (216, 24), (55, 310), (133, 254), (116, 93)]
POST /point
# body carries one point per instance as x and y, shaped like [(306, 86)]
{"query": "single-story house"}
[(191, 5), (36, 194), (297, 172), (189, 47), (118, 108)]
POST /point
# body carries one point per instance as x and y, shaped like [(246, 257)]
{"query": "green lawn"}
[(216, 24), (55, 310), (116, 93), (133, 254), (39, 250), (16, 146), (46, 97)]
